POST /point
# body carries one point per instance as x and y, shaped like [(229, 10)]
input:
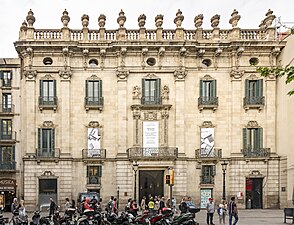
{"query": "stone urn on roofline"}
[(121, 19), (65, 18)]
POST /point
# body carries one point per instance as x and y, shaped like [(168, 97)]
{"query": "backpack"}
[(109, 205), (220, 211)]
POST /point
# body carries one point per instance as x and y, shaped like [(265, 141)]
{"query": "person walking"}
[(222, 212), (210, 211), (233, 212), (53, 206)]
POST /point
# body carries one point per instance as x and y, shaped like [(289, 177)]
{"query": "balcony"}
[(207, 179), (253, 102), (6, 83), (94, 154), (8, 165), (8, 137), (94, 103), (256, 153), (48, 153), (161, 153), (47, 102), (7, 109), (93, 180), (151, 100), (207, 102), (204, 154)]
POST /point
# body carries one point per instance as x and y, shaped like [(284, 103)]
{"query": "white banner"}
[(207, 142), (94, 138), (150, 137)]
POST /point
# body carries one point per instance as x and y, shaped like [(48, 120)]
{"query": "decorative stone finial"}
[(215, 21), (142, 20), (158, 21), (235, 17), (179, 18), (121, 18), (269, 18), (30, 18), (24, 26), (65, 18), (101, 20), (262, 25), (85, 20), (198, 20)]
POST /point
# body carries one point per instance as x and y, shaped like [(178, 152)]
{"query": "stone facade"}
[(180, 63)]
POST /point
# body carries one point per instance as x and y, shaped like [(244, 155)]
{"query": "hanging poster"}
[(205, 194), (150, 138), (207, 142), (94, 138)]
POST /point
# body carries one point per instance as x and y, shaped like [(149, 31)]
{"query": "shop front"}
[(7, 192)]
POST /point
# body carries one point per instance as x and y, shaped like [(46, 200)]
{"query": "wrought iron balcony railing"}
[(153, 153), (94, 103), (253, 101), (6, 83), (48, 153), (89, 154), (214, 153), (207, 179), (48, 102), (208, 102), (151, 100), (8, 165), (256, 153), (8, 136), (6, 109), (94, 180)]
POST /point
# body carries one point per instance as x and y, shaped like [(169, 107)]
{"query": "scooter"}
[(36, 218)]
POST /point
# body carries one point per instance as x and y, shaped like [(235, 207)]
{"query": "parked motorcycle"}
[(87, 218), (36, 218), (3, 220), (19, 218), (46, 220)]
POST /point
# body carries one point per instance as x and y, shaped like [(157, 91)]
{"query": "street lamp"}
[(135, 168), (224, 168)]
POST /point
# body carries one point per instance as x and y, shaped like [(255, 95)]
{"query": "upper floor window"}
[(94, 98), (207, 174), (252, 138), (208, 98), (253, 93), (94, 174), (6, 103), (151, 91), (6, 129), (48, 93), (46, 142), (7, 157), (6, 77)]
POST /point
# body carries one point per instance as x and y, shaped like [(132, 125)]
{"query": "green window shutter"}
[(213, 88), (39, 138), (100, 88), (1, 74), (54, 86), (213, 172), (13, 153), (99, 171), (143, 90), (41, 88), (260, 88), (158, 91), (246, 88), (86, 88), (52, 139), (88, 171), (245, 138), (201, 88), (1, 153), (259, 140)]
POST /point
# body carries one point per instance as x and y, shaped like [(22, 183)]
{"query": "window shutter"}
[(99, 171), (143, 90), (158, 91), (39, 139), (88, 171), (54, 88), (213, 88), (41, 88), (53, 139), (100, 89), (13, 153), (260, 137), (201, 88), (1, 74), (260, 88), (245, 138), (213, 172), (1, 153), (246, 88)]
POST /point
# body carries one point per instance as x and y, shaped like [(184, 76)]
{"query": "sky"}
[(49, 12)]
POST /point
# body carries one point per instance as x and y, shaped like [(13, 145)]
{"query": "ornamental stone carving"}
[(235, 17), (24, 26), (198, 21), (30, 74), (207, 124), (85, 21), (252, 124), (269, 18), (122, 74), (101, 20), (218, 52), (237, 74), (150, 115), (201, 52), (65, 74), (142, 20), (47, 124), (215, 21), (121, 19), (159, 21), (165, 113), (93, 124), (180, 74), (136, 92), (30, 18), (165, 92), (65, 18), (179, 18), (136, 113)]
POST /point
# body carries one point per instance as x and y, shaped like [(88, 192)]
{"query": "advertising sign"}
[(205, 194), (94, 138), (207, 142)]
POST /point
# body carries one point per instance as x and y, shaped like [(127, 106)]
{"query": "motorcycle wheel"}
[(125, 223)]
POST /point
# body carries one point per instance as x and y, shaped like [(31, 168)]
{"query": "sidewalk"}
[(250, 217)]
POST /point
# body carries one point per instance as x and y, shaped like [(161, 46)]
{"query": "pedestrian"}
[(156, 204), (14, 205), (22, 210), (67, 204), (222, 212), (109, 206), (173, 204), (73, 204), (233, 211), (115, 209), (53, 206), (183, 205), (161, 204), (210, 211), (151, 205), (143, 203), (87, 204)]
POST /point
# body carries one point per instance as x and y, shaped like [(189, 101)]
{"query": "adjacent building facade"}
[(115, 111)]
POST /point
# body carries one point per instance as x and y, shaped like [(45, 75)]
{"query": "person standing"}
[(115, 208), (222, 211), (233, 212), (52, 207), (14, 205), (210, 211), (143, 203)]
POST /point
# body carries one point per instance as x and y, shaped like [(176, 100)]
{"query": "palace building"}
[(115, 111)]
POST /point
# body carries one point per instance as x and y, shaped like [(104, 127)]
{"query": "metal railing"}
[(47, 101), (94, 154), (256, 153), (8, 136), (8, 165), (152, 153), (254, 101), (7, 108), (207, 179), (151, 100), (208, 101), (6, 83), (94, 101), (93, 180), (48, 153), (215, 153)]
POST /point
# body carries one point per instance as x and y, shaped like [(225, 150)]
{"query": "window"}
[(208, 94), (7, 157), (93, 62), (48, 93), (6, 129), (6, 77), (254, 92), (46, 142), (208, 173), (151, 92), (47, 61), (94, 93), (6, 102), (94, 174), (252, 138)]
